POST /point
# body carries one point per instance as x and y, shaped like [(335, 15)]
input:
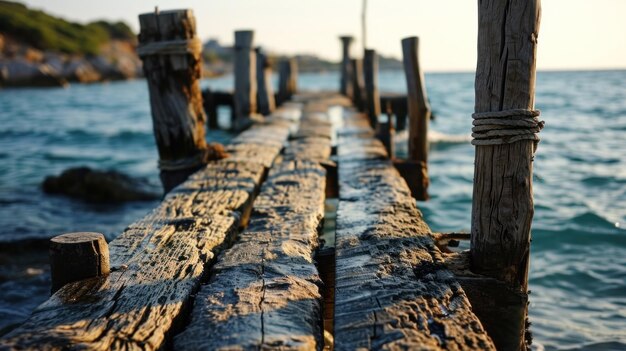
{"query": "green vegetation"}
[(46, 32)]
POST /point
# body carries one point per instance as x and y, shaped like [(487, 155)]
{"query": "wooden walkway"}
[(228, 260)]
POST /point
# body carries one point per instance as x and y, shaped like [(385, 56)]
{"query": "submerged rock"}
[(100, 186)]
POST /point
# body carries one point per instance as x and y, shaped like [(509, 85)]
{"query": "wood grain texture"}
[(314, 148), (392, 289), (502, 202), (158, 262), (77, 256), (264, 290), (173, 78)]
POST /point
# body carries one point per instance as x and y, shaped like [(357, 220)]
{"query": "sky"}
[(574, 34)]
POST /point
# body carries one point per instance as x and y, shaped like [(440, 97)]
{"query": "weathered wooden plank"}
[(263, 141), (220, 188), (158, 262), (392, 288), (264, 290), (316, 149), (321, 129), (322, 98)]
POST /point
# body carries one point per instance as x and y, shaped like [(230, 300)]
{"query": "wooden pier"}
[(228, 259), (241, 254)]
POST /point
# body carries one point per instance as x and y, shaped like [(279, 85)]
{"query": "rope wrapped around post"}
[(505, 127), (215, 151), (191, 46)]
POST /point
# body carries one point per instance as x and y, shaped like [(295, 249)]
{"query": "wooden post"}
[(287, 79), (370, 68), (419, 115), (171, 58), (77, 256), (357, 84), (502, 203), (245, 79), (386, 132), (210, 107), (346, 67), (265, 92)]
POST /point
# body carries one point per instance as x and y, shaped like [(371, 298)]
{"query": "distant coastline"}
[(39, 50)]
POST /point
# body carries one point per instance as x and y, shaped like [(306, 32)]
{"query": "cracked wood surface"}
[(158, 262), (502, 200), (392, 288), (264, 291)]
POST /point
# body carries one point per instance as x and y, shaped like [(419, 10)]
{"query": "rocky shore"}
[(22, 65)]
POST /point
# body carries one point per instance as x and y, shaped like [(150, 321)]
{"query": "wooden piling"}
[(245, 79), (171, 58), (386, 132), (398, 107), (210, 107), (370, 71), (346, 67), (265, 92), (419, 116), (287, 79), (77, 256), (502, 203), (357, 84)]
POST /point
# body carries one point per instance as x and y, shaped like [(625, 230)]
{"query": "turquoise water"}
[(578, 266)]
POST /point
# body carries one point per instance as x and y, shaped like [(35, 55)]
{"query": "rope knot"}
[(505, 127)]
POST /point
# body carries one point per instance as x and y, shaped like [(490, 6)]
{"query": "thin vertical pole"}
[(287, 79), (364, 25), (265, 93), (357, 84), (346, 67), (245, 79), (370, 71), (418, 106)]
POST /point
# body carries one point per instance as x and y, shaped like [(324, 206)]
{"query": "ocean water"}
[(578, 260)]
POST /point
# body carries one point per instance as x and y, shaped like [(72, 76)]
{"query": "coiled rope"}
[(505, 127), (184, 163), (171, 47)]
